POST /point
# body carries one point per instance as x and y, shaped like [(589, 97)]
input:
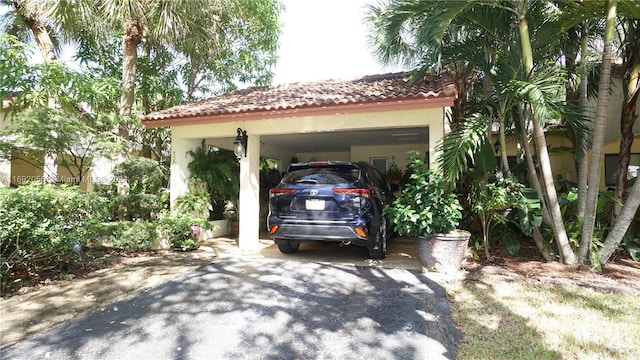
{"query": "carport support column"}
[(5, 172), (436, 132), (249, 195)]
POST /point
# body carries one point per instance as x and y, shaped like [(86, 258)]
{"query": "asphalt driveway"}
[(264, 307)]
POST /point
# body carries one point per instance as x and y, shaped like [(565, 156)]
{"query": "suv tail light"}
[(356, 192), (276, 192)]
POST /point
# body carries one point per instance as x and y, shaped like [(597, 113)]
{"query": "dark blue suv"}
[(330, 201)]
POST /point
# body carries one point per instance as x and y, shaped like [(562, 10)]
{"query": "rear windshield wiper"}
[(307, 181)]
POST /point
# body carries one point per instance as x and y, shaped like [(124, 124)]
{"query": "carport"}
[(375, 118)]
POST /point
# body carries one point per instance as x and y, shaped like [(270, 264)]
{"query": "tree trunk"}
[(503, 149), (535, 183), (47, 50), (43, 40), (538, 239), (628, 212), (132, 38), (620, 228), (566, 253), (598, 138), (627, 119), (628, 116), (583, 163)]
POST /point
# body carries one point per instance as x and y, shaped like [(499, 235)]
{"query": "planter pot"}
[(195, 230), (219, 228), (235, 229), (443, 252)]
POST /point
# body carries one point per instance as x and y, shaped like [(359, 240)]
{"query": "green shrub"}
[(132, 236), (110, 193), (45, 225), (143, 196), (178, 229), (425, 206)]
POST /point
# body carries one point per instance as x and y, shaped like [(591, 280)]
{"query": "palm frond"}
[(460, 145)]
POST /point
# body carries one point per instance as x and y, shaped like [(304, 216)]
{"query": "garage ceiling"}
[(343, 140)]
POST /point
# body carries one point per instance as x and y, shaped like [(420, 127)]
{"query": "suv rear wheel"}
[(379, 249), (287, 246)]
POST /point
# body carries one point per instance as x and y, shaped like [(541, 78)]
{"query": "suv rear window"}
[(322, 176)]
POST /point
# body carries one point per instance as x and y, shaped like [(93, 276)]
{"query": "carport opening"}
[(380, 147)]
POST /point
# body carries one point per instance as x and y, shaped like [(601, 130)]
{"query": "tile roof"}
[(391, 87)]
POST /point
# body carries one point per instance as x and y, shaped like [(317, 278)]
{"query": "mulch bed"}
[(620, 275)]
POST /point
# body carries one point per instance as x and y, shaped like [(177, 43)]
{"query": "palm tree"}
[(27, 21), (159, 22), (195, 28), (407, 30), (630, 75), (598, 135), (631, 11)]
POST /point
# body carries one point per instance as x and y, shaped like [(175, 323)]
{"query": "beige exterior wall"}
[(23, 172), (322, 156), (393, 153), (612, 132), (562, 161)]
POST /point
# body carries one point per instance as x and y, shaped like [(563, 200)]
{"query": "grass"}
[(506, 319)]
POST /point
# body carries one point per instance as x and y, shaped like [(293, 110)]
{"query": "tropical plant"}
[(425, 207), (139, 189), (598, 136), (219, 169), (196, 200), (178, 228), (492, 202), (630, 37), (409, 31)]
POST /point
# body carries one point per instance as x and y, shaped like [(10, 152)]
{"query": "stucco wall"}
[(395, 153), (321, 156)]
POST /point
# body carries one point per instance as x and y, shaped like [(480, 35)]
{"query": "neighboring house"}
[(375, 118), (562, 160), (17, 170)]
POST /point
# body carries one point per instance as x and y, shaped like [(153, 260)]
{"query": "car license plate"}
[(315, 204)]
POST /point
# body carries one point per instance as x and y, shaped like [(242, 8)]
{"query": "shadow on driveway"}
[(259, 307)]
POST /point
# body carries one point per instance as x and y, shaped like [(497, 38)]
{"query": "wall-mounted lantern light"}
[(240, 144), (496, 147)]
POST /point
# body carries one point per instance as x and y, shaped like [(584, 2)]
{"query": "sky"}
[(325, 39)]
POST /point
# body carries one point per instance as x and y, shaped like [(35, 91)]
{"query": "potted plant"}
[(178, 230), (195, 202), (427, 211)]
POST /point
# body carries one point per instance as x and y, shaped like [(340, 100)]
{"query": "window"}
[(611, 164), (379, 163)]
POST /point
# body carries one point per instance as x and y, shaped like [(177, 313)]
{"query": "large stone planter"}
[(220, 228), (443, 252)]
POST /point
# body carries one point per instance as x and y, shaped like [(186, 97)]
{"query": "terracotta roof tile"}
[(368, 89)]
